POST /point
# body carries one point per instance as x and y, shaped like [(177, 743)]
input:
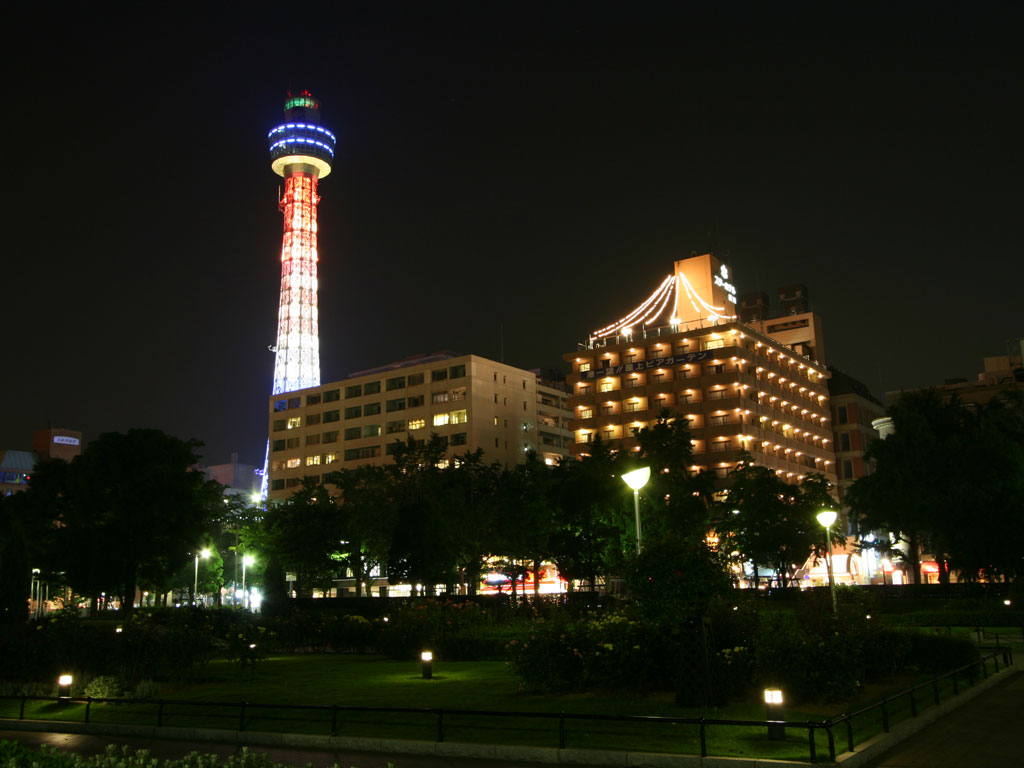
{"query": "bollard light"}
[(1006, 602), (773, 711), (427, 659), (64, 686)]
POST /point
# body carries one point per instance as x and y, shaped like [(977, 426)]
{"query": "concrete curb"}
[(865, 752)]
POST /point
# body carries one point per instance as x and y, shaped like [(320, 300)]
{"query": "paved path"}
[(85, 744), (987, 732)]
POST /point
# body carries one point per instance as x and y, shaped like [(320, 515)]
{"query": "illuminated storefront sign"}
[(65, 440)]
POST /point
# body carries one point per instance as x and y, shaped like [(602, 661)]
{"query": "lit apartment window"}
[(459, 417), (604, 386), (294, 422), (312, 461), (633, 406), (584, 367), (417, 424), (440, 419), (714, 343), (439, 397), (459, 394), (634, 430), (330, 458), (587, 413), (280, 405), (293, 463), (582, 437)]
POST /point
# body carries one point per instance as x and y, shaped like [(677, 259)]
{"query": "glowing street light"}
[(203, 553), (636, 480), (827, 517), (773, 711), (247, 560), (427, 660)]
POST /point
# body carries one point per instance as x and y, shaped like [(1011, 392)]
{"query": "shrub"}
[(104, 687), (938, 653), (147, 689)]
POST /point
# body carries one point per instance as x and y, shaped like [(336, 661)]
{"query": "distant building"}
[(1002, 373), (239, 479), (685, 350), (469, 401), (16, 466)]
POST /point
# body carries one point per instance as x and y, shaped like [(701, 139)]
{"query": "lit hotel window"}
[(440, 419), (312, 461), (459, 417), (417, 424), (584, 367), (605, 386), (330, 458), (294, 422), (292, 463), (587, 413)]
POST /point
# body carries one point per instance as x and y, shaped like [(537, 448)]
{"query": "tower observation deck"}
[(301, 151)]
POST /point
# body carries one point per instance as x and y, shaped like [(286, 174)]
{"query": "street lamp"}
[(827, 517), (203, 553), (247, 560), (636, 480)]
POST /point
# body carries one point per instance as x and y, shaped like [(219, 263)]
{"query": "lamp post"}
[(203, 553), (827, 517), (636, 480), (247, 560)]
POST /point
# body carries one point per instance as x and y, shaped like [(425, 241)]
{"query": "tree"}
[(132, 506)]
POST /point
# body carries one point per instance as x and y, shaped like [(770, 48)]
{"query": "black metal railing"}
[(437, 716)]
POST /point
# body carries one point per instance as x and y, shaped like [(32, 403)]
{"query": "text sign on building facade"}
[(65, 440), (643, 365)]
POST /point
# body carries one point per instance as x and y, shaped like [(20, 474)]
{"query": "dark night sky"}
[(525, 166)]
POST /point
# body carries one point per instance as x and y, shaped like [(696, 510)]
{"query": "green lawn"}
[(372, 681)]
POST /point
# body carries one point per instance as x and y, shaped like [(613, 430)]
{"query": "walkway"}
[(987, 732)]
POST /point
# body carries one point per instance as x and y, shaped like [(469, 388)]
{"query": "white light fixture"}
[(636, 480)]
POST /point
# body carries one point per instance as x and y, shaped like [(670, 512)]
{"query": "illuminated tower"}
[(301, 150)]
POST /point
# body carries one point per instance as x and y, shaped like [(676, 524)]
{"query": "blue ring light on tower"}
[(302, 141)]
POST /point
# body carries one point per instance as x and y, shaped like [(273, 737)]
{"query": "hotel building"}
[(685, 350), (469, 401)]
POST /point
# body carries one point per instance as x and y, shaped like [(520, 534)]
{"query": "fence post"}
[(849, 734), (334, 719), (88, 703), (160, 713), (885, 716), (970, 676), (984, 668), (703, 739), (956, 688), (241, 716), (913, 704), (561, 730), (935, 690), (831, 742), (21, 712), (810, 742), (440, 725)]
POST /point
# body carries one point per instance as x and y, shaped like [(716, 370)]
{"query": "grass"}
[(371, 681)]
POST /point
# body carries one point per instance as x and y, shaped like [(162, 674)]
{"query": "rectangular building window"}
[(280, 405), (353, 433), (584, 367), (440, 419), (294, 402), (842, 416), (459, 417), (607, 409), (279, 425), (604, 386), (439, 375), (416, 401), (415, 379), (632, 406), (294, 422), (312, 461), (293, 463), (439, 397), (844, 441), (330, 416), (716, 421), (312, 439), (717, 394), (392, 448), (395, 426), (371, 430), (371, 388), (457, 371), (417, 424), (313, 399), (313, 418), (330, 458), (291, 442), (366, 452), (398, 382), (847, 469), (587, 413), (459, 438), (331, 395), (331, 437), (293, 482), (277, 485), (371, 409), (277, 445), (354, 412), (459, 393), (395, 405)]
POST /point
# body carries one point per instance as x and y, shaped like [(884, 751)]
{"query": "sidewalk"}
[(987, 732)]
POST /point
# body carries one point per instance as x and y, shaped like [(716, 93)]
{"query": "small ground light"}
[(427, 657), (773, 711), (1006, 602), (868, 616), (64, 686), (119, 629)]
